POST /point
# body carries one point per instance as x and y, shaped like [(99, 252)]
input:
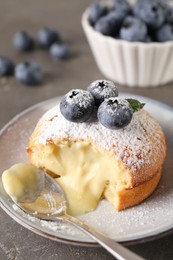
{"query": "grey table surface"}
[(16, 242)]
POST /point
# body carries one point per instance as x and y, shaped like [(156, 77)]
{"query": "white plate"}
[(150, 218)]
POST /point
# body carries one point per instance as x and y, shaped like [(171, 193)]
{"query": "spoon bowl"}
[(50, 202)]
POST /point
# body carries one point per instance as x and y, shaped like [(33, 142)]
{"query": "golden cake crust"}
[(140, 147), (129, 197)]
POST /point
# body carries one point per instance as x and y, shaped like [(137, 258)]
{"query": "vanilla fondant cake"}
[(92, 162)]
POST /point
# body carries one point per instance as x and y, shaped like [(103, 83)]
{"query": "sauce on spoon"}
[(23, 182)]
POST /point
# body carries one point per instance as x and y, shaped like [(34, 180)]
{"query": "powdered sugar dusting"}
[(112, 103), (108, 92), (78, 96), (105, 88), (137, 145)]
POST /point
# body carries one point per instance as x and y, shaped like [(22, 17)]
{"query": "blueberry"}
[(169, 14), (133, 29), (47, 36), (164, 33), (102, 89), (115, 113), (6, 66), (77, 105), (96, 11), (60, 50), (147, 39), (29, 73), (151, 12), (122, 8), (109, 24), (22, 41)]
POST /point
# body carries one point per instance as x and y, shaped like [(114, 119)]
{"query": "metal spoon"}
[(51, 204)]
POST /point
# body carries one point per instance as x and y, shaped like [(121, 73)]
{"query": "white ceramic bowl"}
[(134, 64)]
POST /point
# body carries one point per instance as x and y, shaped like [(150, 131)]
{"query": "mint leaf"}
[(135, 104)]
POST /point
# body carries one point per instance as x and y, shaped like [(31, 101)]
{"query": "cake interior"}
[(83, 170)]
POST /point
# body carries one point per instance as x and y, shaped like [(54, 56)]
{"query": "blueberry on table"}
[(164, 33), (77, 105), (115, 113), (96, 11), (6, 66), (47, 36), (22, 41), (151, 12), (29, 73), (60, 50), (102, 89), (133, 29)]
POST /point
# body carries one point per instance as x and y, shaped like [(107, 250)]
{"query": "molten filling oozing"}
[(83, 172)]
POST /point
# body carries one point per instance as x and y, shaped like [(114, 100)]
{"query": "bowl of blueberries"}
[(132, 43)]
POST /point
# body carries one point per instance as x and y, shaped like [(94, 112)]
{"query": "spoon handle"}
[(117, 250)]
